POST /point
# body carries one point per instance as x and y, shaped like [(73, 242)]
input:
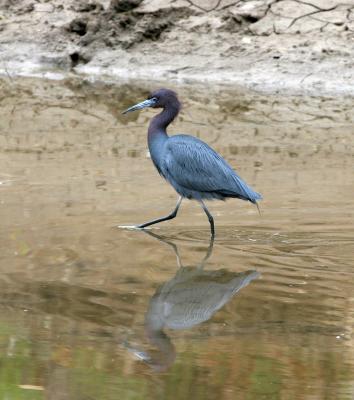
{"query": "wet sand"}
[(76, 289)]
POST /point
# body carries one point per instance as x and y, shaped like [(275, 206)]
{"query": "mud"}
[(288, 46)]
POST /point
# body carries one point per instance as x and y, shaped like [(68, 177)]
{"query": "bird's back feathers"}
[(196, 171)]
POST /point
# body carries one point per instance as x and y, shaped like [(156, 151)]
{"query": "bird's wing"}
[(194, 165)]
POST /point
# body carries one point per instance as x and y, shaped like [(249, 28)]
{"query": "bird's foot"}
[(129, 227), (134, 227)]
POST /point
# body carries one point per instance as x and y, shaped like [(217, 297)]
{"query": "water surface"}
[(90, 311)]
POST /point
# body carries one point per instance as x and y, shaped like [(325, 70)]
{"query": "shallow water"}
[(91, 311)]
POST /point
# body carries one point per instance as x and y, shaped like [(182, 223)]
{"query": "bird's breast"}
[(156, 143)]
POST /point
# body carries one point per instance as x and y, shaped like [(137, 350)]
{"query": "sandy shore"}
[(283, 46)]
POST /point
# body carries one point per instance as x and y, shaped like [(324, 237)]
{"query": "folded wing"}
[(193, 165)]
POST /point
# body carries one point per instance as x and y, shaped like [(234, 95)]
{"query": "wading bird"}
[(193, 168)]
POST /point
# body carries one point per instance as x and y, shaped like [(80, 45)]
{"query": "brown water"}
[(91, 311)]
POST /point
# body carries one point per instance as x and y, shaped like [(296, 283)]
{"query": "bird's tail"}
[(254, 196), (239, 189), (244, 191)]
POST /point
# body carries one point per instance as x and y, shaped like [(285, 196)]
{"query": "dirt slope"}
[(274, 45)]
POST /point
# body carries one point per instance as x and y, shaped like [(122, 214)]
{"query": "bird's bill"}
[(139, 106)]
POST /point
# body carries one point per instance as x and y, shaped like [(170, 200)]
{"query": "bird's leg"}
[(169, 216), (210, 218)]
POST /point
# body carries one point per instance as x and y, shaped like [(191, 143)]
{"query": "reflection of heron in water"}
[(191, 297)]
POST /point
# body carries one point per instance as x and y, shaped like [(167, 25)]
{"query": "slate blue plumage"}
[(198, 172), (193, 168)]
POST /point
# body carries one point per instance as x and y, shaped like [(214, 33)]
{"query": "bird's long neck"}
[(161, 121), (157, 134)]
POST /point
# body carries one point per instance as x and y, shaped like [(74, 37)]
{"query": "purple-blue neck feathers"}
[(157, 135), (161, 121)]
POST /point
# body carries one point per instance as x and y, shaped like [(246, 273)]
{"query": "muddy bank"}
[(272, 45)]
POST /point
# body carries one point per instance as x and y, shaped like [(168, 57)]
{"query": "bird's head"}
[(160, 98)]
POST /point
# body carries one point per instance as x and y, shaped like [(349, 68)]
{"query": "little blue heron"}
[(193, 168)]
